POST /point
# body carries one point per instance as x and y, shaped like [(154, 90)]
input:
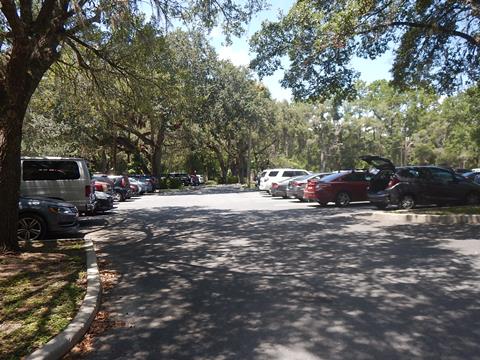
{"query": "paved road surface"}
[(225, 275)]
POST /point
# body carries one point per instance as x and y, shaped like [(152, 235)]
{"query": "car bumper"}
[(307, 195), (381, 197), (291, 193), (65, 225)]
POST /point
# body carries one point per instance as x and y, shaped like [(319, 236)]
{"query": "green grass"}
[(40, 292), (456, 210)]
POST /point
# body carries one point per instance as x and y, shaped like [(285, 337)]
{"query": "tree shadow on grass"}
[(39, 294), (301, 283)]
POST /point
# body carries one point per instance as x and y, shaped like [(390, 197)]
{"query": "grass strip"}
[(41, 291)]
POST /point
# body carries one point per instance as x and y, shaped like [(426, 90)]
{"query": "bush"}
[(174, 183), (170, 183), (163, 184), (232, 179)]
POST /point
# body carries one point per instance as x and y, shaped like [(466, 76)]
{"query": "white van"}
[(66, 179), (270, 176)]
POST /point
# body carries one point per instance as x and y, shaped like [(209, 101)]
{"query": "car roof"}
[(50, 158), (280, 169)]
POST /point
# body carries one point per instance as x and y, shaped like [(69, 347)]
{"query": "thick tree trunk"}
[(157, 161), (10, 145), (221, 161), (27, 63)]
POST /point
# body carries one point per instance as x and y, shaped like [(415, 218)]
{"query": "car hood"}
[(42, 200), (378, 162)]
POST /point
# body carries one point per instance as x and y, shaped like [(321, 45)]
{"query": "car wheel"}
[(472, 199), (118, 197), (381, 206), (30, 227), (285, 197), (407, 202), (342, 199)]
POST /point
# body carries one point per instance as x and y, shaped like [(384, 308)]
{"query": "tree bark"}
[(10, 145), (157, 161), (29, 59)]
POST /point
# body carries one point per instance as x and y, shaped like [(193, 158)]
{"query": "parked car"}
[(101, 202), (276, 175), (119, 192), (136, 187), (183, 177), (297, 186), (259, 177), (342, 188), (148, 182), (38, 216), (104, 185), (408, 186), (280, 189), (66, 179), (473, 176), (121, 186)]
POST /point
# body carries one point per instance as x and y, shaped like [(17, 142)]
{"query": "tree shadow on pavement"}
[(199, 283)]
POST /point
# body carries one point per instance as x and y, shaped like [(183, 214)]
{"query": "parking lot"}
[(224, 274)]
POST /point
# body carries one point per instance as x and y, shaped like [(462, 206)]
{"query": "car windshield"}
[(331, 177)]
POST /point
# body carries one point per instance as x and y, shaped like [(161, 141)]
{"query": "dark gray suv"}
[(408, 186), (38, 216)]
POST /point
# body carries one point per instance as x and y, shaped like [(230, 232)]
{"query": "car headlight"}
[(62, 210)]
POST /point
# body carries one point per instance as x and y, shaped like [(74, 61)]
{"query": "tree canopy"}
[(435, 43)]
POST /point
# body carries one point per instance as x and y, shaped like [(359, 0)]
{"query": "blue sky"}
[(238, 53)]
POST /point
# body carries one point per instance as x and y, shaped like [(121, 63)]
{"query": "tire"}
[(118, 196), (407, 202), (342, 199), (472, 199), (381, 206), (31, 227), (285, 197)]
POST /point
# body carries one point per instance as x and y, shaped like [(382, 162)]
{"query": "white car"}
[(66, 179), (270, 176)]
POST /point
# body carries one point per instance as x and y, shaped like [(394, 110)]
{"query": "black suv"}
[(408, 186)]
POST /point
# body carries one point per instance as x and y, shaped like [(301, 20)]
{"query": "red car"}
[(340, 188)]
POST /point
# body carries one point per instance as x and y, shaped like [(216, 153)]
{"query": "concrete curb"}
[(63, 342), (427, 218)]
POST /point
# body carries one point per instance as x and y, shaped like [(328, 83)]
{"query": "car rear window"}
[(332, 177), (356, 176), (50, 170), (273, 173), (408, 173)]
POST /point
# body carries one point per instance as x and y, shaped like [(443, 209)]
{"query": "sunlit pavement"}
[(220, 274)]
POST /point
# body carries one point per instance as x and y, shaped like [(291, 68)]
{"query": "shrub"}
[(174, 183)]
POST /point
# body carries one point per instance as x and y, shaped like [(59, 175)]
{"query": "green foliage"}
[(435, 43), (173, 183)]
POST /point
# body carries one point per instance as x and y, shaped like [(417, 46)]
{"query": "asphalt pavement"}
[(221, 274)]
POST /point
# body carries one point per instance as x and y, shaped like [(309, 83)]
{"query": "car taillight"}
[(274, 185), (394, 181), (88, 190), (295, 183)]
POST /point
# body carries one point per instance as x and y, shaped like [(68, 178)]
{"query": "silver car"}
[(39, 216)]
